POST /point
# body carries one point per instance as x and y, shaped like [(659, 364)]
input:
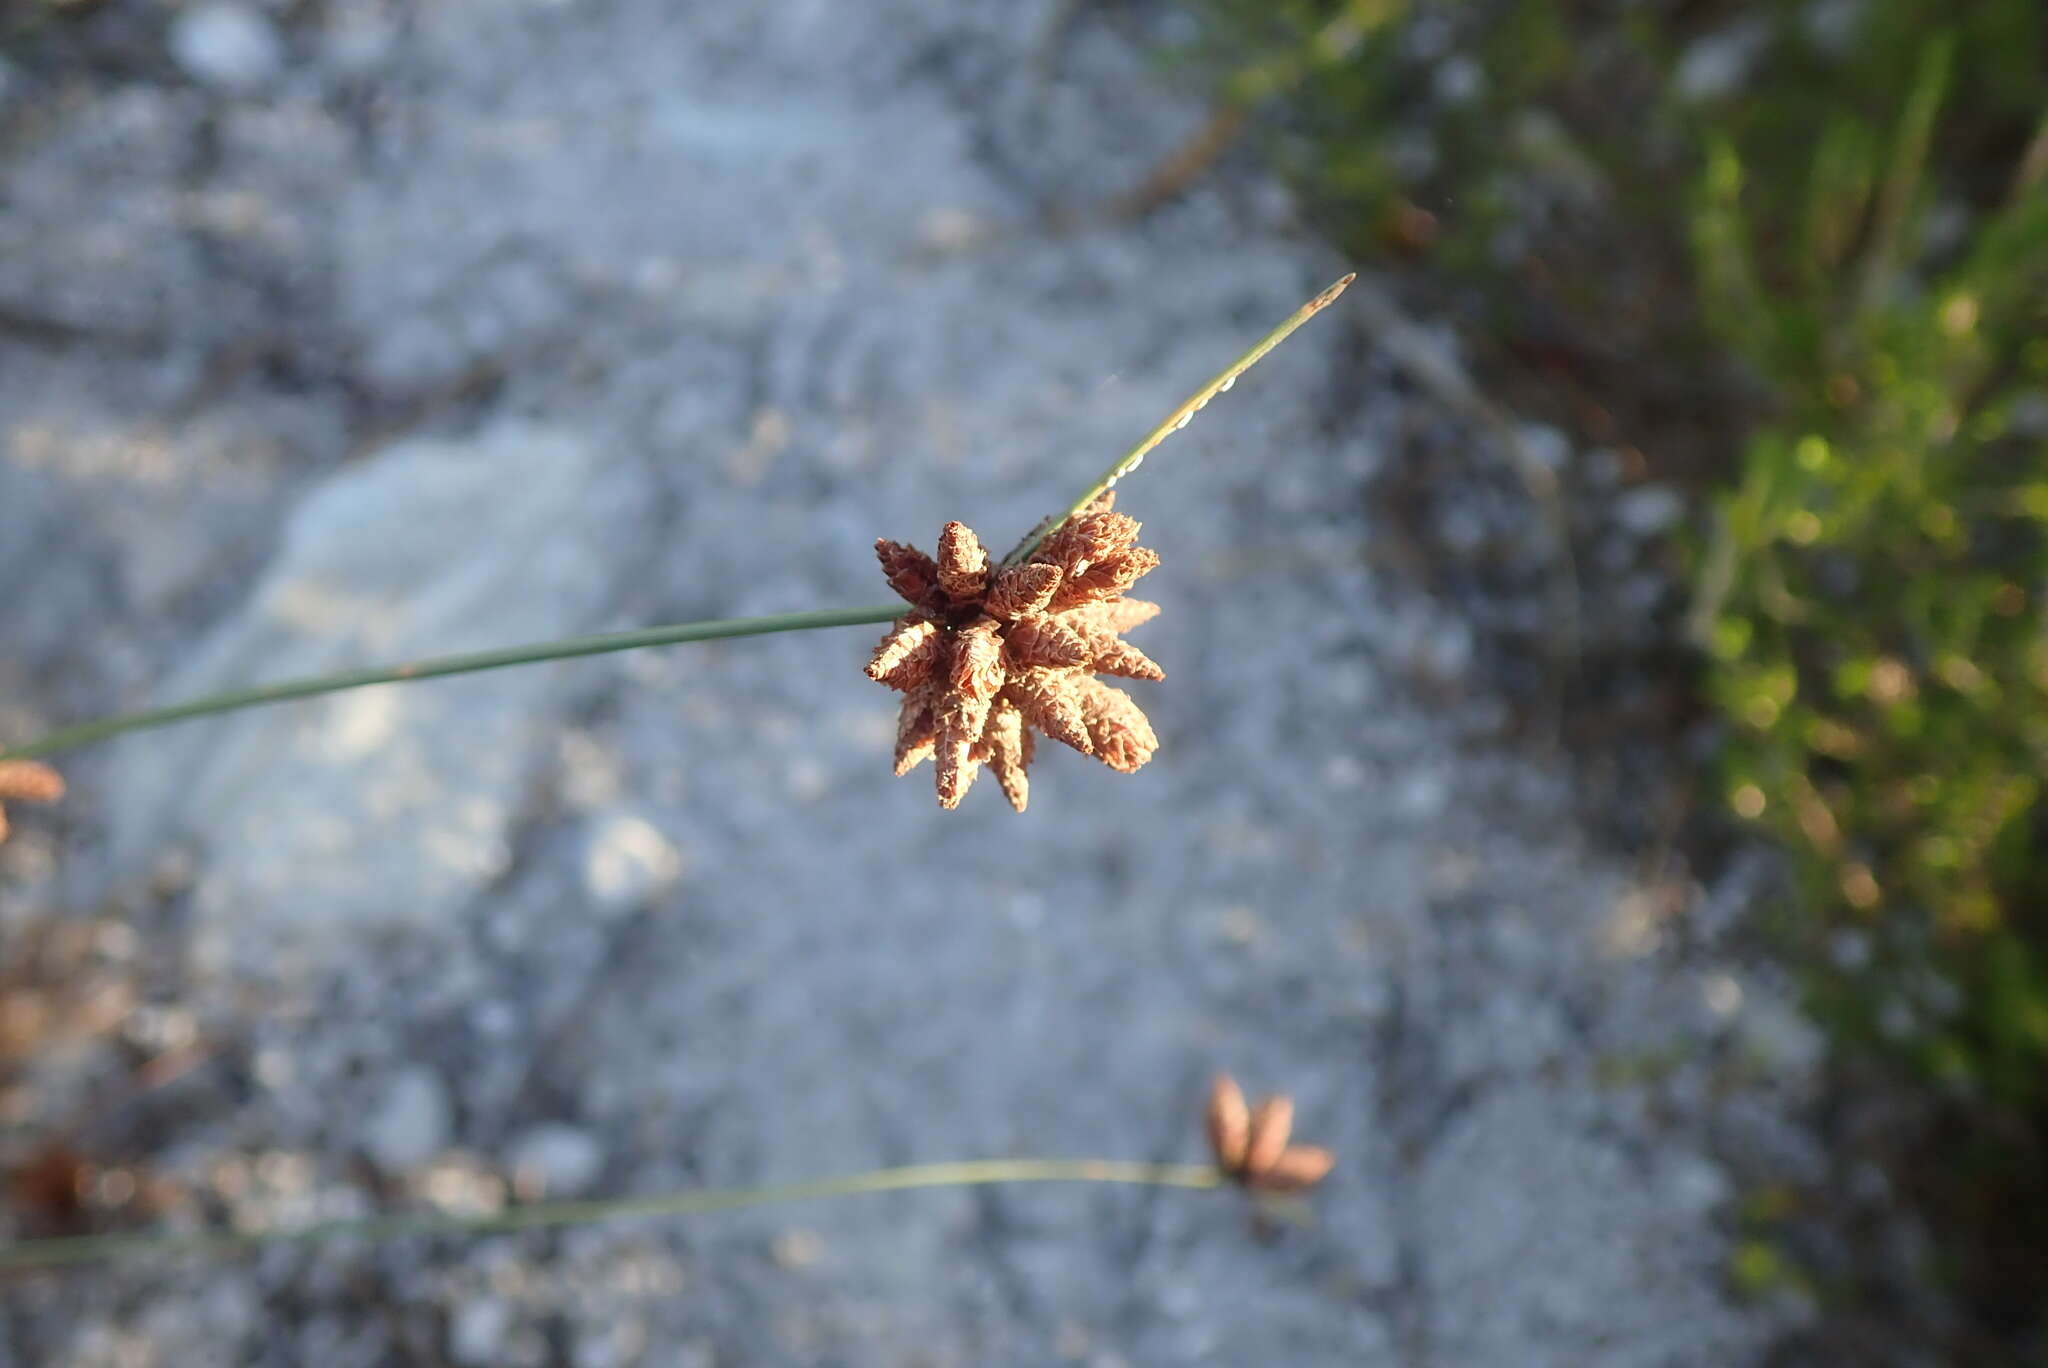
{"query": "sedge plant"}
[(983, 638)]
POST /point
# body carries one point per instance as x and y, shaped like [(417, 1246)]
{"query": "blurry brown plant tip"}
[(1250, 1144), (48, 1188), (29, 781), (987, 655), (54, 1189), (1408, 230)]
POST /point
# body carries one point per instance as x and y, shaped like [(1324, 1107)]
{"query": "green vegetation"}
[(1797, 251)]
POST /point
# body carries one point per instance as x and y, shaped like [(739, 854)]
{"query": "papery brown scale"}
[(984, 748), (1021, 591), (1272, 1124), (1048, 701), (963, 563), (910, 572), (976, 667), (906, 656), (1040, 640)]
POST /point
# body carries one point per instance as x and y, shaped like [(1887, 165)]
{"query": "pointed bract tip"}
[(1228, 1122), (1272, 1124)]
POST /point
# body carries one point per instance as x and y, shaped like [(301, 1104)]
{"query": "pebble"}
[(412, 1120), (1459, 80), (1718, 64), (227, 46), (476, 1332), (1648, 510), (1786, 1044), (609, 1344), (1545, 446), (555, 1160), (358, 43), (1697, 1185), (626, 860)]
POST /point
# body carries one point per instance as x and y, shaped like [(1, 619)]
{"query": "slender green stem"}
[(1181, 416), (972, 1173), (1909, 161), (87, 732)]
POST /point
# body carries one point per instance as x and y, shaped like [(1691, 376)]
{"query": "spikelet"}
[(1050, 701), (29, 781), (917, 728), (1228, 1121), (907, 656), (911, 573), (1040, 640), (1298, 1167), (1272, 1125), (1022, 591), (963, 564), (1117, 731)]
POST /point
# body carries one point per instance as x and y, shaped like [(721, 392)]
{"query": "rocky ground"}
[(343, 332)]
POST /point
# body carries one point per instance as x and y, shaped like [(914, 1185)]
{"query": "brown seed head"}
[(987, 656), (1251, 1145)]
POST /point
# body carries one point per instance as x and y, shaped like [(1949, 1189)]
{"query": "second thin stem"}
[(102, 728), (969, 1173)]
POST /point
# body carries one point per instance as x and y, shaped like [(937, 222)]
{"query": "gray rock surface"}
[(555, 1160), (229, 46), (508, 320), (384, 806), (410, 1122)]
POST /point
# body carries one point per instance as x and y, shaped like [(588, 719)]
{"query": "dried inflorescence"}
[(1250, 1144), (30, 781), (987, 656)]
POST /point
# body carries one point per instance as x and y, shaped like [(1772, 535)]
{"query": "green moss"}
[(1857, 227)]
